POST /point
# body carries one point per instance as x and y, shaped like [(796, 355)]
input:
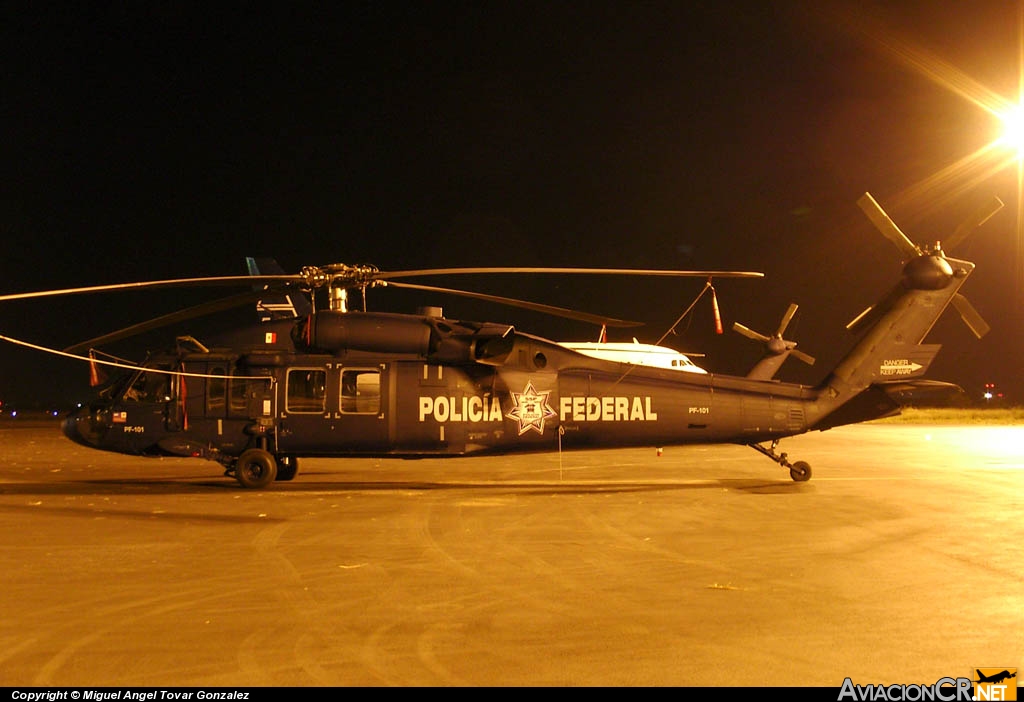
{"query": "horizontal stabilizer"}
[(923, 392)]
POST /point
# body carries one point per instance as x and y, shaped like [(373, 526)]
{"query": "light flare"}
[(1012, 137), (1003, 151), (984, 162)]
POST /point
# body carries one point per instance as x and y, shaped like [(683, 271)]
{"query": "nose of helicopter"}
[(82, 429)]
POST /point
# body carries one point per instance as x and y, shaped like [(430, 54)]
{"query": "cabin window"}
[(239, 397), (244, 393), (216, 390), (360, 391), (307, 390)]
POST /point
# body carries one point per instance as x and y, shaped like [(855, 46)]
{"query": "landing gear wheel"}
[(287, 467), (255, 468), (800, 471)]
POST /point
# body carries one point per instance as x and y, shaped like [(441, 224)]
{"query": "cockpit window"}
[(149, 386)]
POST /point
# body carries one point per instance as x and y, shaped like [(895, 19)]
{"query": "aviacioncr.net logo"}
[(944, 690)]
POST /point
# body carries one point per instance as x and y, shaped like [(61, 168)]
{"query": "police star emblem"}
[(531, 409)]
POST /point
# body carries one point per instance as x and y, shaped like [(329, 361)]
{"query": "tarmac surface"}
[(901, 561)]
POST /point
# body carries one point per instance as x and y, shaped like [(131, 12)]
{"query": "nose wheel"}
[(800, 471)]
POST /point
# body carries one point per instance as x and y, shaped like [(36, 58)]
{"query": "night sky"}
[(164, 140)]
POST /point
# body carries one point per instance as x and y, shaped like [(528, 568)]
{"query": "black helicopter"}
[(309, 382)]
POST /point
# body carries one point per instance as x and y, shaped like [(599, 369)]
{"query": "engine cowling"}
[(363, 331), (431, 337)]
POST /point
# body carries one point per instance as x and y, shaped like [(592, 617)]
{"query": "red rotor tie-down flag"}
[(714, 307)]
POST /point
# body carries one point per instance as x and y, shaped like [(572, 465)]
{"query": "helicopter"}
[(331, 380)]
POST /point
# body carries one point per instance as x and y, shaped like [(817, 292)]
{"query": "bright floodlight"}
[(1013, 129)]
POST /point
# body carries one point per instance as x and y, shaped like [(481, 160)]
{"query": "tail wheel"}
[(255, 468), (800, 471)]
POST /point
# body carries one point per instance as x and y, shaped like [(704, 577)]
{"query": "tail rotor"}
[(777, 348), (926, 268)]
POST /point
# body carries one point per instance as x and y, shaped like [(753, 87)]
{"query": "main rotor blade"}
[(970, 316), (888, 228), (361, 277), (203, 309), (977, 218), (240, 280), (535, 306), (390, 275)]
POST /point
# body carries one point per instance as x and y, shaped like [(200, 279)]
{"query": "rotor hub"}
[(928, 273), (359, 276)]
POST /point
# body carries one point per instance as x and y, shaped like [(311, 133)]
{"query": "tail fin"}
[(890, 349), (276, 305)]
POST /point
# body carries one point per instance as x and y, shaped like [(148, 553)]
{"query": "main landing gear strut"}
[(799, 471)]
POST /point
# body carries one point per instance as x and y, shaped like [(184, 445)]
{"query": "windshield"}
[(147, 386)]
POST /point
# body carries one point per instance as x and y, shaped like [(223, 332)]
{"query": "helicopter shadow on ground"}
[(93, 512), (130, 487)]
